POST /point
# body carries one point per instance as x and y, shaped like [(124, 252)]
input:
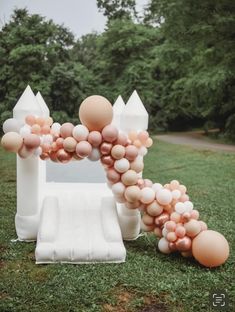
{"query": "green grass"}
[(149, 280)]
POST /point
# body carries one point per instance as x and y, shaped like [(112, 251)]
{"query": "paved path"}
[(195, 140)]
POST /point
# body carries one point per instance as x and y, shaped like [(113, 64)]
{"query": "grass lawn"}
[(149, 281)]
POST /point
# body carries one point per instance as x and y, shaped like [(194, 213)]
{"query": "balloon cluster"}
[(166, 210)]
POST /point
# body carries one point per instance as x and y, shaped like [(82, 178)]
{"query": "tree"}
[(117, 9)]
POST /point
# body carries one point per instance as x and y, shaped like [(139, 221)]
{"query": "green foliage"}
[(117, 9)]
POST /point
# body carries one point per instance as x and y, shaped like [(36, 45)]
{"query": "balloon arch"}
[(166, 209)]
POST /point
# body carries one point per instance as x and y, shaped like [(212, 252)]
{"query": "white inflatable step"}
[(79, 227)]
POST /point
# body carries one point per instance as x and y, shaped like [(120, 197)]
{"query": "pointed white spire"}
[(134, 116), (26, 105), (118, 107), (43, 105)]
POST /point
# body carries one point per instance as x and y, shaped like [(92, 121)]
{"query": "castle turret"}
[(44, 108), (118, 107)]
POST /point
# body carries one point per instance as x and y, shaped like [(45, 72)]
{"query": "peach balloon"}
[(180, 231), (147, 195), (110, 133), (132, 193), (171, 237), (40, 121), (154, 209), (137, 165), (59, 142), (83, 149), (148, 143), (122, 139), (46, 147), (45, 129), (63, 156), (69, 144), (36, 129), (174, 184), (158, 232), (96, 112), (130, 177), (131, 152), (170, 226), (30, 120), (105, 148), (132, 135), (66, 130), (164, 197), (113, 176), (203, 225), (195, 214), (192, 228), (210, 248), (146, 228), (49, 121), (118, 151), (137, 143), (12, 142), (31, 140), (175, 217), (95, 138), (147, 219), (143, 136)]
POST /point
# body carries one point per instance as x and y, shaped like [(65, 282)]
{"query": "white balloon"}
[(11, 125), (37, 151), (118, 189), (94, 155), (176, 194), (180, 208), (157, 187), (143, 151), (188, 206), (164, 232), (163, 246), (25, 130), (48, 139), (55, 127), (80, 133), (122, 165)]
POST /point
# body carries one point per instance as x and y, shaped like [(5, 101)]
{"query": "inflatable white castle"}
[(74, 222), (81, 211)]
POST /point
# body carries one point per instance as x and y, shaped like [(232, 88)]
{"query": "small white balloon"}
[(11, 125), (157, 187), (25, 130), (118, 189), (176, 194), (94, 155), (142, 151), (180, 208), (48, 139), (163, 246), (56, 127), (164, 232), (37, 151), (188, 206), (80, 133), (164, 196), (122, 165)]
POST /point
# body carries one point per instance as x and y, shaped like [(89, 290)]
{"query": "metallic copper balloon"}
[(184, 244), (53, 156), (107, 161), (44, 156), (172, 246), (105, 148), (162, 219), (63, 156)]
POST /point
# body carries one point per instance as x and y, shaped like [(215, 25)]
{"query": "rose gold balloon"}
[(106, 148), (44, 156), (210, 248), (63, 156), (113, 176), (31, 140), (172, 246), (184, 244), (54, 147), (107, 161), (162, 219), (95, 138), (53, 156), (66, 130), (186, 216), (96, 112)]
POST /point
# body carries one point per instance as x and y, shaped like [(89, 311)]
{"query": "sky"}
[(80, 16)]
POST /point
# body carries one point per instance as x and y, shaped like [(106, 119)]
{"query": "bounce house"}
[(86, 218)]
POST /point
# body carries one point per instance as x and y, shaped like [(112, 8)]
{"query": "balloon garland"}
[(166, 209)]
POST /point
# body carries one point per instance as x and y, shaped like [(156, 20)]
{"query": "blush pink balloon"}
[(110, 133), (95, 138), (83, 149), (45, 129), (31, 140), (131, 152), (59, 142), (143, 136), (170, 226), (107, 161), (66, 130), (122, 139), (30, 120), (180, 231)]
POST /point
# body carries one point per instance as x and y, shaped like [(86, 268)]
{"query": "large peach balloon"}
[(96, 112), (210, 248), (12, 142)]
